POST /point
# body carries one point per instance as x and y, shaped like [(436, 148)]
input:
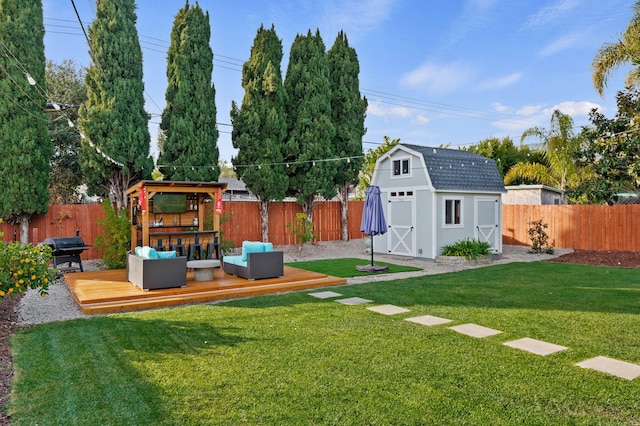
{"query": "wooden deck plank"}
[(102, 292)]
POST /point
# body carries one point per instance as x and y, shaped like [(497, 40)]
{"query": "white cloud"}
[(356, 17), (535, 115), (574, 109), (438, 78), (502, 82), (518, 125), (378, 109), (550, 15), (481, 4), (501, 108), (529, 110), (564, 43), (421, 120)]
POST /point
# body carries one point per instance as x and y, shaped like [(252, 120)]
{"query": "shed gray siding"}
[(434, 176)]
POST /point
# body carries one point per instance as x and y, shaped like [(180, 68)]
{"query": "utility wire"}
[(86, 36)]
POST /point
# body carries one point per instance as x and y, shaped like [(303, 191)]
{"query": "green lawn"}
[(345, 268), (293, 359)]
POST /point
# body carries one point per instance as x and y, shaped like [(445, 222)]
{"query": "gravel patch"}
[(59, 305)]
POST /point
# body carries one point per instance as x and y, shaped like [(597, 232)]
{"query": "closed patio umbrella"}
[(373, 223)]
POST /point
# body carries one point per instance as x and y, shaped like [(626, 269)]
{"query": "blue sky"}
[(435, 72)]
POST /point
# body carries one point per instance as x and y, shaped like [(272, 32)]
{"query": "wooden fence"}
[(62, 220), (242, 223), (592, 227), (569, 226)]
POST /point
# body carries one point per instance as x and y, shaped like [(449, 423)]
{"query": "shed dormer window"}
[(401, 167)]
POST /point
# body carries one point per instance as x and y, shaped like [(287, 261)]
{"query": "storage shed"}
[(533, 194), (435, 197)]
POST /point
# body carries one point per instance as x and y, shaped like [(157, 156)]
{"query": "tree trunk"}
[(308, 206), (119, 182), (263, 205), (343, 194), (24, 220)]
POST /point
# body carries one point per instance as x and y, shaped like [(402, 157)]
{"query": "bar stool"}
[(195, 248), (213, 246), (178, 247), (159, 246)]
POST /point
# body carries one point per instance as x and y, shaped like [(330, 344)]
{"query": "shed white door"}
[(487, 222), (401, 238)]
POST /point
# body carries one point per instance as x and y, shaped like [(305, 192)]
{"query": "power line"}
[(93, 53)]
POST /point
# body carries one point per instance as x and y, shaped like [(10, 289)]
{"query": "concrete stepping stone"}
[(622, 369), (428, 320), (475, 330), (325, 294), (353, 301), (388, 309), (537, 347)]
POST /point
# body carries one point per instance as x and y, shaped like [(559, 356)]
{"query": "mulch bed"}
[(9, 316), (626, 259), (8, 326)]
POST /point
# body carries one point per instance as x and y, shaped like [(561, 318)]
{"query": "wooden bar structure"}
[(197, 194), (102, 292)]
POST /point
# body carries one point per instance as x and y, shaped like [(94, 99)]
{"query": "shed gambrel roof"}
[(458, 170)]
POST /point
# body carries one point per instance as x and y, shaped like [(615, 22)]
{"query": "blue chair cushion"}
[(251, 247), (268, 247), (148, 253), (235, 260), (138, 250), (166, 254)]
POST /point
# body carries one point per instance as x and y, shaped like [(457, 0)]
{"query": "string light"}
[(259, 166), (31, 80)]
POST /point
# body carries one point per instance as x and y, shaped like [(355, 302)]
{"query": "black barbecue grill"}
[(67, 250)]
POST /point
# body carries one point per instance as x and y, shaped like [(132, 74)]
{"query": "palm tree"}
[(558, 146), (625, 51)]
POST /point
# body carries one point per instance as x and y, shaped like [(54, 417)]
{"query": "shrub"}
[(24, 266), (115, 240), (469, 248), (539, 238), (302, 230)]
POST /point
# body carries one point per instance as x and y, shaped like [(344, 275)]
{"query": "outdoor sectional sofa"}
[(257, 261), (151, 273)]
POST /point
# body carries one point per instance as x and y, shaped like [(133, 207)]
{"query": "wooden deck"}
[(109, 291)]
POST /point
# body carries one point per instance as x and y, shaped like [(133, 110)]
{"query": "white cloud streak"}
[(529, 116), (564, 43), (437, 78), (550, 15), (501, 82), (378, 109), (356, 17)]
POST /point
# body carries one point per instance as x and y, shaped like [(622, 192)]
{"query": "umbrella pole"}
[(371, 250)]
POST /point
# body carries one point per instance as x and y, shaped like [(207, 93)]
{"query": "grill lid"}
[(62, 243)]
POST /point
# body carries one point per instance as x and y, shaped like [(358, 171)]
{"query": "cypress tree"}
[(25, 148), (259, 125), (189, 150), (348, 111), (115, 149), (310, 130)]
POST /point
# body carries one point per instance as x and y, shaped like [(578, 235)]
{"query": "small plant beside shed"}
[(468, 248)]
